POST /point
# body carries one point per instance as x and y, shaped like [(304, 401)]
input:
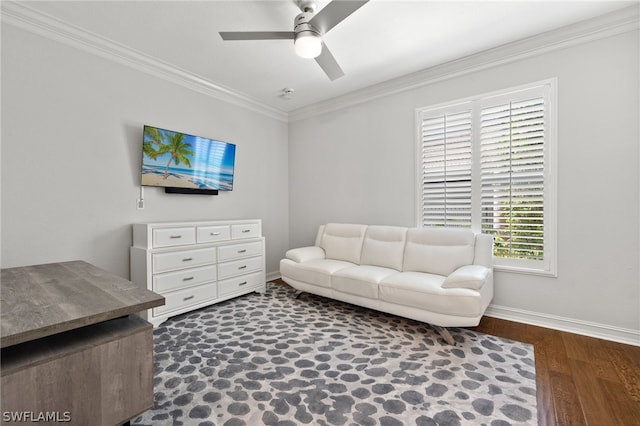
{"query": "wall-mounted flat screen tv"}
[(178, 160)]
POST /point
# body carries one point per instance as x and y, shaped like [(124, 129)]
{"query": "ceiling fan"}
[(308, 29)]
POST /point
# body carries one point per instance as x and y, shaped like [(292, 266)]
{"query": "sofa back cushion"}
[(484, 250), (342, 241), (319, 235), (384, 246), (438, 250)]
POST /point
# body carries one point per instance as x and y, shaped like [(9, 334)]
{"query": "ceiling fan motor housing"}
[(301, 24)]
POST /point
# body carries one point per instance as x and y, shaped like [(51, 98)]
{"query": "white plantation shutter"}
[(446, 169), (488, 163), (512, 177)]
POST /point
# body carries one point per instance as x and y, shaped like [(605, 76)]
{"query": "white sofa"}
[(441, 276)]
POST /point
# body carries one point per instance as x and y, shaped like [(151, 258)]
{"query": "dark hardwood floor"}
[(580, 380)]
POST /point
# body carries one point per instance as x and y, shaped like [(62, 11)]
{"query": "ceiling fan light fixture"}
[(308, 44)]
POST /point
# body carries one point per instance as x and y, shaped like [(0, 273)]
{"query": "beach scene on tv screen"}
[(179, 160)]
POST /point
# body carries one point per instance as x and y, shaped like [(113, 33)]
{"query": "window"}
[(488, 163), (446, 169)]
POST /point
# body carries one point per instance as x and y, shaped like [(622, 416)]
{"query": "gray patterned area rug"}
[(272, 359)]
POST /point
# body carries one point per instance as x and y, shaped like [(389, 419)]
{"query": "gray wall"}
[(356, 164), (70, 158), (71, 152)]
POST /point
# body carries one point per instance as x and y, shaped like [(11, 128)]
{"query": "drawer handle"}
[(187, 279), (242, 283), (244, 231), (242, 267), (174, 237), (188, 298), (188, 259), (215, 234), (242, 251)]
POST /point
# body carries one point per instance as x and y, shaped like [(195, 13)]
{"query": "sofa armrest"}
[(304, 254), (468, 276)]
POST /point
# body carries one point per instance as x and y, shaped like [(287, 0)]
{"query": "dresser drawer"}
[(211, 234), (187, 297), (245, 230), (238, 267), (171, 281), (163, 262), (238, 251), (168, 237), (239, 284)]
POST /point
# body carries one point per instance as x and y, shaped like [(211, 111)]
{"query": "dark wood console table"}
[(73, 349)]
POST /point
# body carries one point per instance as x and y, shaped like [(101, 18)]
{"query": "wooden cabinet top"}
[(42, 300)]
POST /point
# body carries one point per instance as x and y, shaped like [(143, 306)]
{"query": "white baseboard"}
[(272, 276), (585, 328)]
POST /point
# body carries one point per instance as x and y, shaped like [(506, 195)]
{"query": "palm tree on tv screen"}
[(178, 150), (152, 140)]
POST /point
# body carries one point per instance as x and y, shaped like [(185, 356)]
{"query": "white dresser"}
[(195, 264)]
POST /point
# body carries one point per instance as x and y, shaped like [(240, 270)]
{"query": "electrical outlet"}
[(140, 204)]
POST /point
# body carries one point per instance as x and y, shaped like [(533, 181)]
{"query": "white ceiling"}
[(383, 40)]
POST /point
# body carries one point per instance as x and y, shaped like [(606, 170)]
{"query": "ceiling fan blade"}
[(334, 13), (328, 64), (256, 35)]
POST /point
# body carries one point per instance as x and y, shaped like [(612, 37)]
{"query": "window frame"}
[(547, 89)]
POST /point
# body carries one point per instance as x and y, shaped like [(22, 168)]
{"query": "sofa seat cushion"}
[(360, 280), (316, 272), (424, 291)]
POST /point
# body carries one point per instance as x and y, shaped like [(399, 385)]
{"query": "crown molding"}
[(20, 15), (611, 24), (27, 18)]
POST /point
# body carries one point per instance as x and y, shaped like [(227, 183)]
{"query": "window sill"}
[(551, 273)]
